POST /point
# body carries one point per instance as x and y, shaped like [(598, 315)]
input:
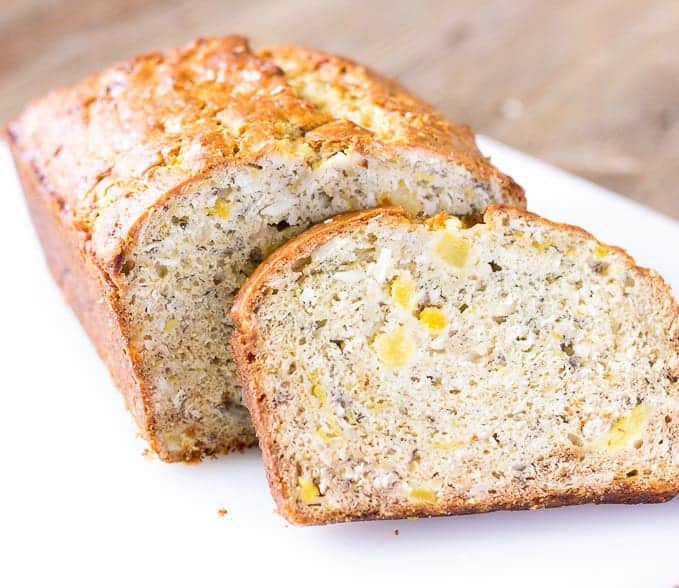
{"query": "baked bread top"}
[(395, 367), (114, 146)]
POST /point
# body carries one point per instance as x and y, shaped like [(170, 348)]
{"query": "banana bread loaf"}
[(402, 368), (157, 186)]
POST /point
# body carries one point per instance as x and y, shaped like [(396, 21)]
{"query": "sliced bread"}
[(159, 184), (395, 367)]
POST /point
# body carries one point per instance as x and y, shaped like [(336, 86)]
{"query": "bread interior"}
[(436, 367), (194, 251)]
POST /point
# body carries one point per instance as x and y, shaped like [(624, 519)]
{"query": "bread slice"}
[(398, 368), (158, 185)]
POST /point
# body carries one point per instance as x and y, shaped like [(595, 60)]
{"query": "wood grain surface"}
[(589, 85)]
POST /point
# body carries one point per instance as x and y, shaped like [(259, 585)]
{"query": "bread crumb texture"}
[(510, 363), (181, 172)]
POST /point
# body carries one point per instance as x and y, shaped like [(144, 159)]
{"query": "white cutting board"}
[(81, 505)]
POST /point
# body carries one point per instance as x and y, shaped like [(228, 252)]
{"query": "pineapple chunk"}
[(395, 348), (331, 429), (448, 444), (624, 431), (541, 246), (600, 250), (318, 392), (377, 404), (422, 177), (308, 491), (452, 248), (402, 291), (221, 208), (433, 318), (406, 199), (424, 495), (402, 197)]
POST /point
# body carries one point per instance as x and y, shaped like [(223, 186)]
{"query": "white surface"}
[(80, 505)]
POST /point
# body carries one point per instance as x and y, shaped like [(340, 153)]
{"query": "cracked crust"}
[(98, 158), (245, 345), (159, 121)]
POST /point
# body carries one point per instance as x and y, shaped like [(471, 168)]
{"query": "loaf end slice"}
[(395, 367)]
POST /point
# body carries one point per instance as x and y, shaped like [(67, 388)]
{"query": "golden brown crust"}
[(94, 299), (616, 495), (413, 123), (96, 158), (115, 146), (244, 343), (85, 288)]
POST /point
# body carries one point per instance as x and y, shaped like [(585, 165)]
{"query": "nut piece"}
[(624, 431), (221, 208), (433, 318), (395, 348), (170, 325), (452, 248), (424, 495), (308, 491), (402, 291)]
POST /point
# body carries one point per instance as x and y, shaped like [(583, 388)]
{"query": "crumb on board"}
[(147, 454), (222, 512), (397, 532)]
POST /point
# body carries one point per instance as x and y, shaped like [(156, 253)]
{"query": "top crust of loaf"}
[(112, 148)]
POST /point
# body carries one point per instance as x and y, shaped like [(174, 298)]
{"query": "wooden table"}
[(590, 85)]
